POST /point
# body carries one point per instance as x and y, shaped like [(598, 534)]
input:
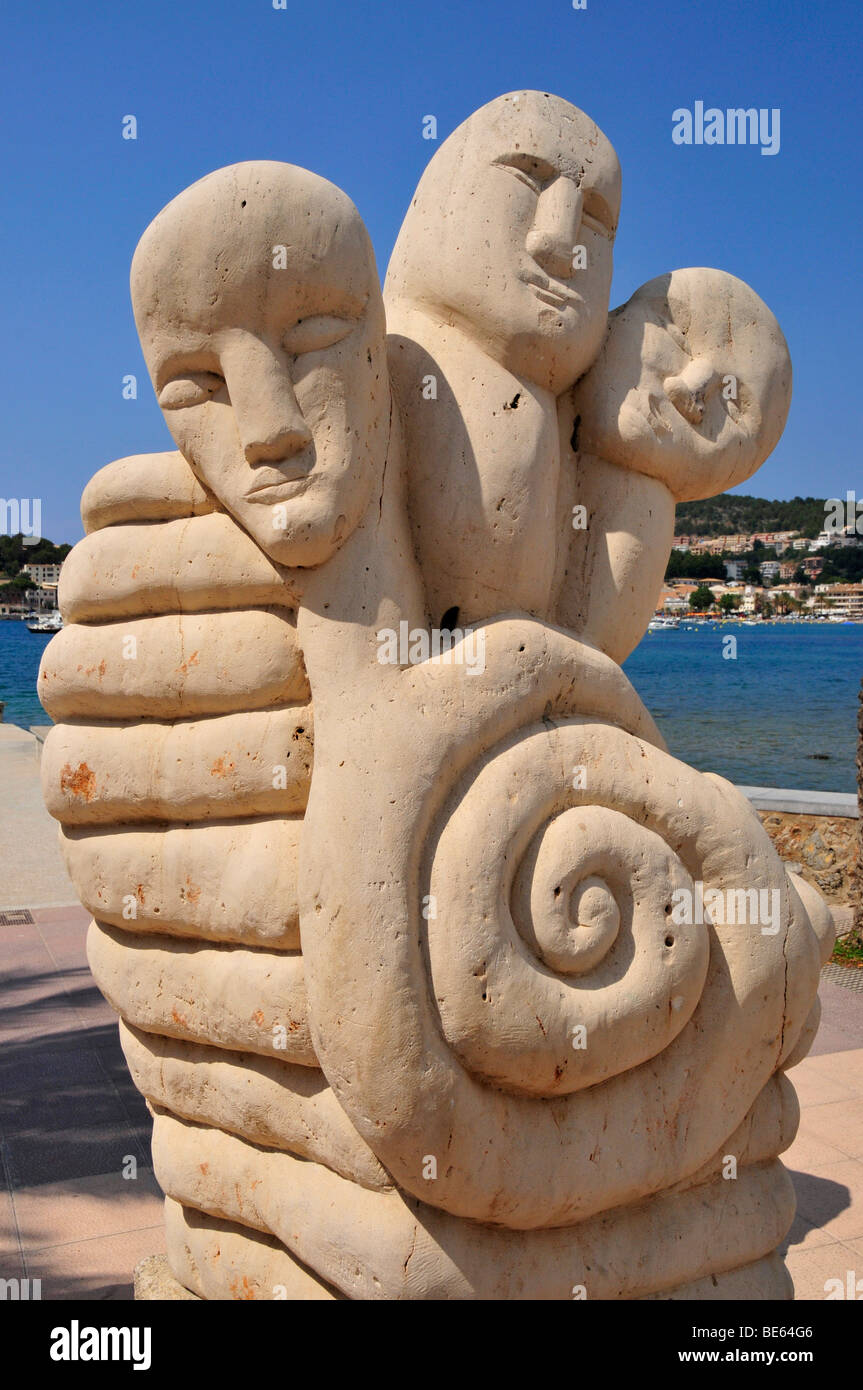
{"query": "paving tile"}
[(832, 1198), (804, 1236), (100, 1268), (82, 1209), (856, 1248), (76, 1132), (134, 1106), (137, 1115), (58, 919), (808, 1153), (839, 1124), (814, 1089), (12, 1265), (44, 986), (32, 872), (845, 1068), (75, 915), (9, 1244), (29, 961), (64, 932), (67, 948), (848, 1071), (811, 1269), (841, 1019), (17, 939), (55, 1061), (37, 1021), (111, 1055), (77, 1009), (95, 1012)]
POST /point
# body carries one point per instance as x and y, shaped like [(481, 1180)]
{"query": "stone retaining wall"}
[(822, 849)]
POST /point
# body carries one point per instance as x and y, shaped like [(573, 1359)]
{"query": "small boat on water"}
[(662, 624), (47, 622)]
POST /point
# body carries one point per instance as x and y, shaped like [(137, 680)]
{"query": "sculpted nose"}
[(690, 391), (556, 226), (269, 419), (701, 377), (280, 442)]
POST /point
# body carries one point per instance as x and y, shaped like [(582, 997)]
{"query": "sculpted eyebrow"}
[(528, 163), (599, 202), (334, 300), (193, 359)]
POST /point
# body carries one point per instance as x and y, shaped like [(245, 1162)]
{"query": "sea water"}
[(20, 654), (779, 711)]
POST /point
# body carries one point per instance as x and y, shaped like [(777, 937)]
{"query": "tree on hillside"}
[(701, 599), (683, 565), (842, 566), (741, 515), (14, 554), (728, 603)]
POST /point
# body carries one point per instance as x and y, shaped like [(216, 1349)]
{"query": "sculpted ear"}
[(143, 487)]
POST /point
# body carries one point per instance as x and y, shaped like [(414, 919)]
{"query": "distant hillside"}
[(14, 554), (729, 515)]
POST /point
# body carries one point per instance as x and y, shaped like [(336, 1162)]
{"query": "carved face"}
[(511, 234), (259, 311), (692, 385)]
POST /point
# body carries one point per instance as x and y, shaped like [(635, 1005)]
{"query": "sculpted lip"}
[(277, 483), (550, 292)]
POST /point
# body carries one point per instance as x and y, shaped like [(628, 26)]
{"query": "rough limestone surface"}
[(442, 976), (823, 849)]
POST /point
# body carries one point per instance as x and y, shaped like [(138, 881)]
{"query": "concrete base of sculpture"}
[(154, 1283)]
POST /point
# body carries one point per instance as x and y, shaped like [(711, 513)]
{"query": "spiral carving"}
[(461, 907), (553, 960)]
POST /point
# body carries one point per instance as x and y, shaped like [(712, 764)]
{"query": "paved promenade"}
[(31, 866), (78, 1202), (71, 1122)]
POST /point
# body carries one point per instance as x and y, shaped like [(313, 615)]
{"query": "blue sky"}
[(342, 88)]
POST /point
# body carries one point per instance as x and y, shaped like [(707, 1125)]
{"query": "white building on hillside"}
[(43, 573)]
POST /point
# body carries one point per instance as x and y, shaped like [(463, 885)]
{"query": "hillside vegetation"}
[(14, 554), (728, 515)]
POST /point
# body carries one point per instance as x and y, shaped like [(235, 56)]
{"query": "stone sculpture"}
[(396, 936), (688, 397), (485, 310)]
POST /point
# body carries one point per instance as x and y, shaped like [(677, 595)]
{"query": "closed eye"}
[(597, 214), (190, 388), (316, 333), (528, 169)]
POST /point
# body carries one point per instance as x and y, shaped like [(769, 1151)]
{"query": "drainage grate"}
[(17, 917), (842, 975)]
